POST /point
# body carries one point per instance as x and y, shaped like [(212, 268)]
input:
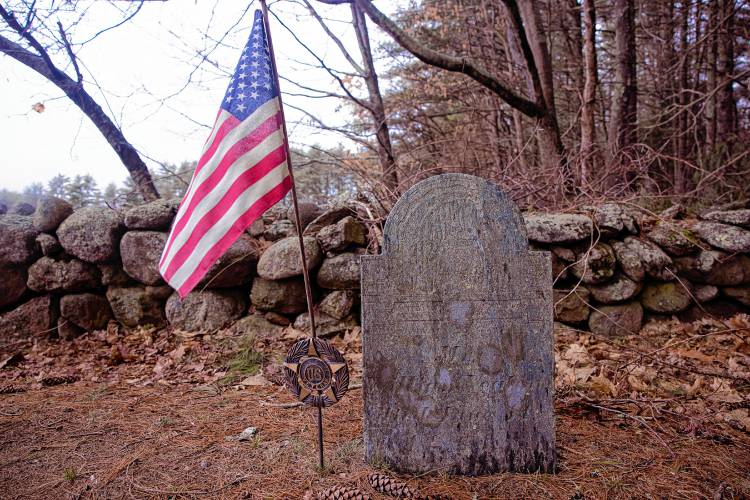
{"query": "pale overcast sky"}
[(140, 65)]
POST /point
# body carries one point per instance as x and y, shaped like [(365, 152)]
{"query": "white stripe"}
[(240, 166), (220, 119), (223, 115), (218, 230), (250, 123)]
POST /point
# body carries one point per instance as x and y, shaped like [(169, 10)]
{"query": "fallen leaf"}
[(38, 107), (255, 380)]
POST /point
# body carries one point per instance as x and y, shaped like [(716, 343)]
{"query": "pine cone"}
[(342, 493), (389, 486), (64, 379), (11, 389)]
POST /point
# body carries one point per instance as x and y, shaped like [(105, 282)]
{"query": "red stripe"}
[(256, 210), (241, 147), (216, 120), (227, 126), (238, 149), (240, 185)]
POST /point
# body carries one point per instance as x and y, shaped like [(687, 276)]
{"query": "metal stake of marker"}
[(298, 222)]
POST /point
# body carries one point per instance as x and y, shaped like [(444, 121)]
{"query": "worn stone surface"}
[(340, 272), (331, 216), (739, 217), (278, 229), (673, 239), (92, 234), (50, 212), (666, 298), (325, 325), (558, 228), (562, 258), (50, 275), (86, 310), (705, 293), (22, 208), (256, 228), (48, 244), (257, 327), (739, 293), (282, 259), (235, 267), (308, 212), (346, 232), (277, 318), (722, 236), (12, 285), (205, 310), (140, 252), (286, 296), (639, 257), (139, 305), (35, 318), (617, 320), (337, 304), (156, 215), (572, 306), (595, 265), (113, 274), (613, 218), (17, 240), (715, 268), (618, 289), (457, 335), (722, 309)]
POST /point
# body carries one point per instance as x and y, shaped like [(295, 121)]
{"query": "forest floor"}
[(154, 414)]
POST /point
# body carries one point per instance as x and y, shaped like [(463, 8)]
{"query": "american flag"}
[(241, 173)]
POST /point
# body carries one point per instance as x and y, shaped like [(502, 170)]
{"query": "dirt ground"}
[(659, 415)]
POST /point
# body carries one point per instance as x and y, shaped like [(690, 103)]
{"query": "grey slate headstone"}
[(457, 335)]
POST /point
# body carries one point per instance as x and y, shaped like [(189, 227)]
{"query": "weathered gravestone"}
[(457, 335)]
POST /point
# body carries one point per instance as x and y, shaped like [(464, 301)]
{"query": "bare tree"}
[(38, 57)]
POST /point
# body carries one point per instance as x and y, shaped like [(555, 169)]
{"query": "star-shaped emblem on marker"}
[(314, 357)]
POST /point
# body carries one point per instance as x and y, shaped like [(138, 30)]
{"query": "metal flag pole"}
[(298, 222)]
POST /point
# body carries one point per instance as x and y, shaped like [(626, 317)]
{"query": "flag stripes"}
[(242, 171)]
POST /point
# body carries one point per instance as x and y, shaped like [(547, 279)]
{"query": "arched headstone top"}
[(454, 207)]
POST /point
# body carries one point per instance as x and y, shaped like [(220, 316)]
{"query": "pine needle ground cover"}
[(153, 414)]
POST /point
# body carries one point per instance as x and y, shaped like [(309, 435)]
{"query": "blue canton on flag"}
[(253, 82)]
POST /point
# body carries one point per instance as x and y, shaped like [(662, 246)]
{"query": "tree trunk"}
[(624, 94), (713, 22), (532, 51), (726, 106), (377, 109), (680, 180), (588, 99), (76, 93)]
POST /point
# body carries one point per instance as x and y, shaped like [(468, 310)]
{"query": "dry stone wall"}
[(65, 272)]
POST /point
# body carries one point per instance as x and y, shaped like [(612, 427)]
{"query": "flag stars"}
[(254, 95), (228, 100), (241, 107), (241, 96), (241, 85), (254, 84)]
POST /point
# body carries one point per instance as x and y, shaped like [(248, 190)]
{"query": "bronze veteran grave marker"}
[(457, 335)]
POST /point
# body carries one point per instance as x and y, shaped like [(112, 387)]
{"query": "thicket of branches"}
[(649, 99)]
